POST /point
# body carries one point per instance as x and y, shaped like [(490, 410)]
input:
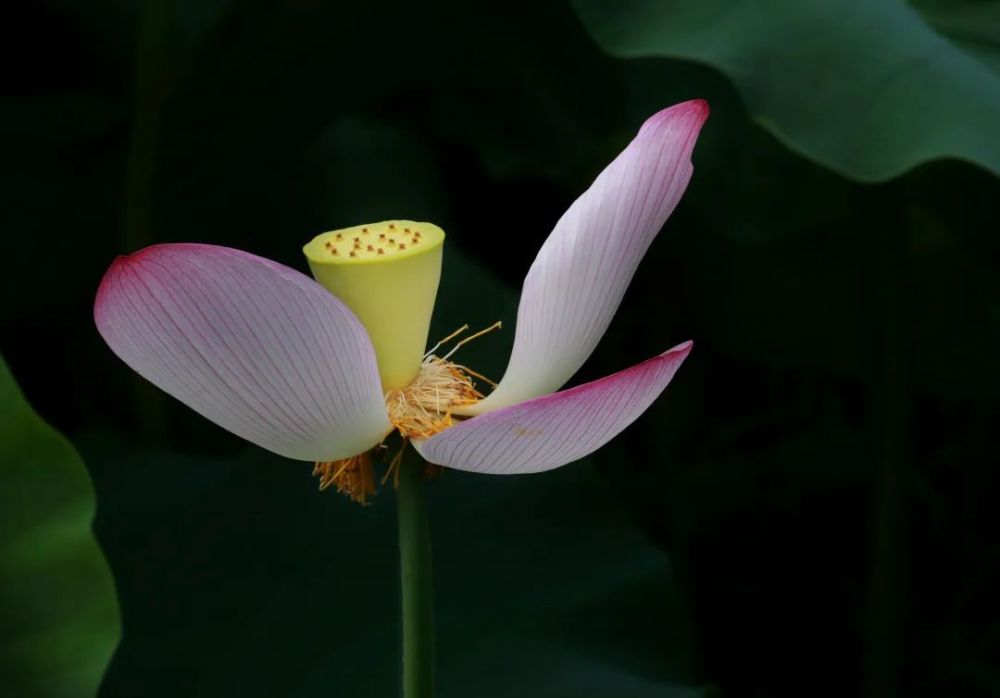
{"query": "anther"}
[(381, 236), (381, 251), (402, 246), (370, 248), (392, 226), (356, 239), (353, 254), (328, 244), (406, 230), (340, 236), (364, 230), (392, 241)]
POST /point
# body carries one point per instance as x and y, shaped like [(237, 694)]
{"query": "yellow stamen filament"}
[(352, 476), (393, 469), (447, 339), (466, 369), (495, 326)]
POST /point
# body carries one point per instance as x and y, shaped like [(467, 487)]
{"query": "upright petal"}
[(254, 346), (552, 430), (582, 271)]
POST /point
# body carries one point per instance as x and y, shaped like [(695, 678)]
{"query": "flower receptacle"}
[(387, 274)]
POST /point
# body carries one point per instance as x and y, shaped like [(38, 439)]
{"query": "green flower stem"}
[(416, 581)]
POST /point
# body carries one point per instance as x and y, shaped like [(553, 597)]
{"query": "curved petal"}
[(252, 345), (553, 430), (582, 271)]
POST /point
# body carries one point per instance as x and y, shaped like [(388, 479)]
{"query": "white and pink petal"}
[(252, 345), (549, 431), (577, 281)]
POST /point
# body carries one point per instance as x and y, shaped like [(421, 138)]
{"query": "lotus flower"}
[(325, 371)]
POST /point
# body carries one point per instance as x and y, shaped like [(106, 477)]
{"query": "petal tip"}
[(136, 256), (692, 114), (124, 261), (676, 355), (132, 263), (696, 109), (699, 107), (106, 286), (682, 348), (680, 123)]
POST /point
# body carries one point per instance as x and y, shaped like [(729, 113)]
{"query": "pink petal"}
[(582, 271), (553, 430), (254, 346)]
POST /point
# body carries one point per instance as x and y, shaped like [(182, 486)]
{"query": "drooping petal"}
[(552, 430), (254, 346), (582, 271)]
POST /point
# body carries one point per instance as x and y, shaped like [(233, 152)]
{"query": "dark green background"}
[(821, 473)]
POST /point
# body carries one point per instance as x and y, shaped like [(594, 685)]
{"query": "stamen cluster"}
[(418, 411), (423, 408)]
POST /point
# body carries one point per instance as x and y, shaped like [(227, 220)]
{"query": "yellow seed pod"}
[(387, 274)]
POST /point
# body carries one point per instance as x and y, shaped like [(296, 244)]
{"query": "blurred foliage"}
[(866, 87), (821, 472), (58, 613), (241, 579)]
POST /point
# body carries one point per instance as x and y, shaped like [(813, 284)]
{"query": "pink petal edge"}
[(549, 431)]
